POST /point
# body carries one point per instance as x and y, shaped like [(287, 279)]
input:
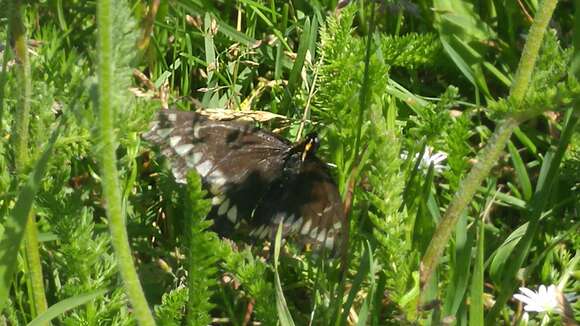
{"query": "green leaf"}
[(508, 199), (498, 74), (461, 19), (458, 60), (502, 254), (526, 141)]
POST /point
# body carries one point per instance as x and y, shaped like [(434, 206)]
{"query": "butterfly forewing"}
[(255, 177), (236, 161)]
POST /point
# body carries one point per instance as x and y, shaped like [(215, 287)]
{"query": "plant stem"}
[(108, 162), (492, 151), (22, 118), (34, 264), (21, 126), (530, 52)]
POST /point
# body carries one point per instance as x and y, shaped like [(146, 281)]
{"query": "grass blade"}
[(300, 57), (363, 271), (521, 173), (460, 278), (64, 306), (15, 225), (477, 280), (284, 315)]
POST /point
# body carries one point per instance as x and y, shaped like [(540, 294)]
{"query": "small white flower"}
[(545, 300), (429, 157)]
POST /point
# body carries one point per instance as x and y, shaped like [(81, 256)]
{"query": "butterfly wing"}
[(236, 161), (308, 205)]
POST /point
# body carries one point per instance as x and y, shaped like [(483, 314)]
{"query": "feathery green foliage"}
[(255, 277), (203, 246), (410, 51), (83, 262), (172, 310)]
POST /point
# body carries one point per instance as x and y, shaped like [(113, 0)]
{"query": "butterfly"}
[(256, 178)]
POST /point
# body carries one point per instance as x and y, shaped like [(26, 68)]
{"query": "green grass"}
[(95, 231)]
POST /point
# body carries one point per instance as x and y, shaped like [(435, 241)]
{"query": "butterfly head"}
[(310, 144)]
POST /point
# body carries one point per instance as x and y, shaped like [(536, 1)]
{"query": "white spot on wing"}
[(152, 133), (181, 150), (203, 168), (329, 242), (296, 225), (163, 133), (224, 207), (196, 130), (321, 236), (313, 232), (233, 214), (216, 200), (172, 117), (193, 159), (337, 225), (264, 232), (179, 178), (216, 179), (174, 140), (257, 231), (289, 221), (214, 189), (305, 227), (220, 181), (214, 176)]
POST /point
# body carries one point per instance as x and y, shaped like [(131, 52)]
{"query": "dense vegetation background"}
[(404, 95)]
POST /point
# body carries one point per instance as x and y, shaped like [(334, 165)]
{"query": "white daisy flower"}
[(430, 157), (545, 300)]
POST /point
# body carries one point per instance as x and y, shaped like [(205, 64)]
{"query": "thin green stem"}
[(21, 126), (22, 118), (530, 52), (491, 153), (108, 162), (34, 264)]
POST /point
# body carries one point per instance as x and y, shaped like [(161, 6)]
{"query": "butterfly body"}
[(258, 179)]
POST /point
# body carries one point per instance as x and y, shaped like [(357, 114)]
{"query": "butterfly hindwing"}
[(309, 206)]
